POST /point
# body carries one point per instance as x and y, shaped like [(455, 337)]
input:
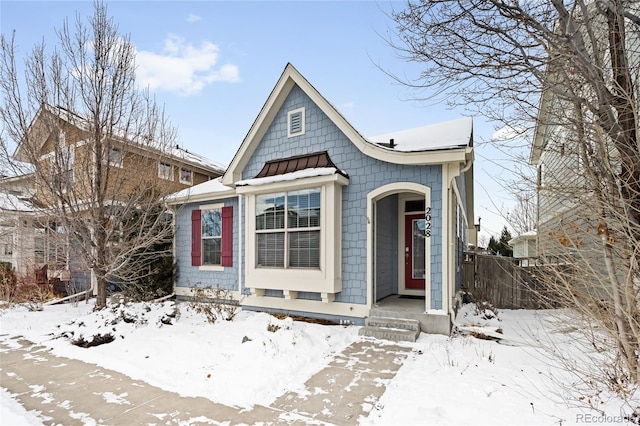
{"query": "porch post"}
[(370, 249), (446, 232)]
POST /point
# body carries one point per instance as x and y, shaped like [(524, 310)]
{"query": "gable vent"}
[(296, 122)]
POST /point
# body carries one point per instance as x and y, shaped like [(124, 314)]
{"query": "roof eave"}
[(432, 157), (206, 196)]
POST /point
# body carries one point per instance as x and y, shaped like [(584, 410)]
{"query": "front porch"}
[(412, 307)]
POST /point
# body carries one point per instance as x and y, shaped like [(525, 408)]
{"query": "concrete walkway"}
[(70, 392)]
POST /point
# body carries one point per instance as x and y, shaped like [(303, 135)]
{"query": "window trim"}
[(160, 164), (211, 267), (290, 114), (286, 230), (226, 234), (119, 164), (325, 280), (185, 182), (68, 172)]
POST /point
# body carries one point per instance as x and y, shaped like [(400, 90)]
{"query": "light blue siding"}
[(386, 236), (192, 276), (365, 174)]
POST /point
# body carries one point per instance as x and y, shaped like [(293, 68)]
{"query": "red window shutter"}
[(227, 236), (196, 237)]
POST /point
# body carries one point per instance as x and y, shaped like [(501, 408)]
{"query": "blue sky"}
[(212, 64)]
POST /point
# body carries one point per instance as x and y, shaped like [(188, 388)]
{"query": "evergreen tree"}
[(501, 246)]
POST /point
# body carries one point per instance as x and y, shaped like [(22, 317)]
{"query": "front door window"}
[(415, 251), (418, 249)]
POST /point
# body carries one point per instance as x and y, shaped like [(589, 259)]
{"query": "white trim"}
[(211, 206), (118, 164), (182, 181), (240, 254), (46, 156), (209, 196), (372, 198), (290, 78), (285, 177), (291, 185), (305, 305), (302, 123), (171, 172), (327, 279), (449, 173), (211, 268)]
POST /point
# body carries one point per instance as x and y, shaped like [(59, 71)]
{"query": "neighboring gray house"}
[(315, 219), (571, 142)]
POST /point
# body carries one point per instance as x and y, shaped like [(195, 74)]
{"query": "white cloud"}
[(183, 68), (194, 18)]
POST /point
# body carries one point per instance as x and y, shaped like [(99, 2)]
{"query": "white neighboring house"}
[(18, 233), (524, 247)]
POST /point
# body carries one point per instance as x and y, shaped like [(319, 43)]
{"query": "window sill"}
[(211, 268)]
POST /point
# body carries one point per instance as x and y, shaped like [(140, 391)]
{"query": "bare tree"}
[(94, 141), (570, 71), (522, 216)]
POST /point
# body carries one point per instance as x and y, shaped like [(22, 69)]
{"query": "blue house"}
[(313, 218)]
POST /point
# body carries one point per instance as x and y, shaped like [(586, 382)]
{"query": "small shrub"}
[(214, 303), (199, 302), (8, 282), (33, 294)]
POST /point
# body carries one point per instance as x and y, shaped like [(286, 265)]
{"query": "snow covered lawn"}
[(257, 357)]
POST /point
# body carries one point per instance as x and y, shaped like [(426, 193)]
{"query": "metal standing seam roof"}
[(296, 163)]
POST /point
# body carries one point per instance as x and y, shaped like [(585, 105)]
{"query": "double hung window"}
[(211, 237), (115, 157), (288, 229), (186, 176), (62, 168), (165, 171)]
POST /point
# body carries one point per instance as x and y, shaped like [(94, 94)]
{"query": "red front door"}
[(414, 251)]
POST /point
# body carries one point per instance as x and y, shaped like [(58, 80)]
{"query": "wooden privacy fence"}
[(502, 282)]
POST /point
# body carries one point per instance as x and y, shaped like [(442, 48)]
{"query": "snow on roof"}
[(321, 171), (446, 135), (197, 159), (210, 187), (524, 236), (10, 202), (174, 151)]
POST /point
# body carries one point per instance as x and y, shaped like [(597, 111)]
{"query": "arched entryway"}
[(399, 242)]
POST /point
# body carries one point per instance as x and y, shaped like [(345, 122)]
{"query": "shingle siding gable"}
[(365, 174)]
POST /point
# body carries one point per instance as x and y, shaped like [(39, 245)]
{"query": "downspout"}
[(240, 216), (452, 313), (173, 248)]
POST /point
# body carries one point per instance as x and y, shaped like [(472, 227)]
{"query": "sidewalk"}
[(71, 392)]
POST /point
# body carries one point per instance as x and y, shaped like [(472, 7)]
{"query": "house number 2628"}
[(427, 222)]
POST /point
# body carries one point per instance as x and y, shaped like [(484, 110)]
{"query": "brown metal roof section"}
[(296, 163)]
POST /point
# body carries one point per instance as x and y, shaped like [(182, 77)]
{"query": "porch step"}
[(395, 329)]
